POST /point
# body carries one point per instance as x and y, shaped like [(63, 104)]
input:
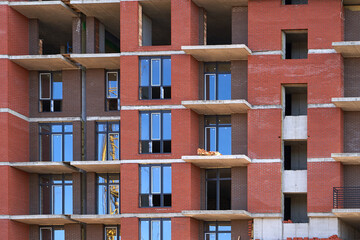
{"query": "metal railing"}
[(346, 197)]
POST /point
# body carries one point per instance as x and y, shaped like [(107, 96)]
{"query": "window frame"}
[(107, 133), (150, 129), (107, 88), (216, 74), (118, 233), (51, 228), (151, 193), (218, 180), (217, 125), (51, 185), (161, 82), (107, 185), (216, 232), (51, 91), (150, 220), (51, 134)]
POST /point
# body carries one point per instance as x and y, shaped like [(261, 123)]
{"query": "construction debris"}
[(203, 152)]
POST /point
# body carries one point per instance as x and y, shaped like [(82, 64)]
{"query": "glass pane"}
[(114, 178), (45, 86), (144, 185), (57, 200), (114, 127), (112, 84), (166, 126), (166, 71), (224, 236), (101, 151), (155, 72), (101, 127), (211, 195), (101, 178), (113, 146), (56, 128), (225, 140), (166, 230), (145, 227), (210, 236), (57, 179), (155, 180), (210, 139), (68, 128), (167, 179), (102, 200), (210, 67), (45, 147), (210, 87), (68, 150), (144, 72), (210, 227), (155, 230), (155, 126), (111, 233), (59, 234), (45, 195), (144, 126), (68, 199), (57, 86), (45, 233), (114, 199), (56, 147), (224, 86), (225, 172), (224, 227)]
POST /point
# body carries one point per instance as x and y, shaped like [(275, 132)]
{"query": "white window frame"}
[(151, 74), (151, 123), (205, 85), (206, 137)]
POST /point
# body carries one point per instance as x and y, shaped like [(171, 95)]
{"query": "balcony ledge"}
[(347, 103), (44, 167), (207, 53), (43, 62), (98, 60), (222, 161), (43, 219), (347, 158), (108, 219), (348, 49), (217, 107), (218, 215), (348, 213), (98, 166)]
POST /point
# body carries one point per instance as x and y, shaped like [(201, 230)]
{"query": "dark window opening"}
[(50, 92), (54, 39), (112, 91), (295, 100), (112, 43), (218, 27), (295, 44), (295, 208), (156, 23), (295, 155), (218, 189), (295, 2)]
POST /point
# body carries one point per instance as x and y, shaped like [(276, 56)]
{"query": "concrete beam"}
[(209, 53), (294, 181), (98, 60), (218, 215), (43, 62), (44, 167), (222, 161), (347, 103), (217, 107), (347, 158), (348, 213), (347, 49), (295, 128), (43, 219), (108, 219), (98, 166)]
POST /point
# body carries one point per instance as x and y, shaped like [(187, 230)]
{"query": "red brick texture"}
[(264, 188), (13, 230)]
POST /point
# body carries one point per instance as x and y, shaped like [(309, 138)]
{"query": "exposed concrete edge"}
[(40, 163), (152, 161), (94, 55), (40, 216), (103, 118), (349, 210), (152, 53), (37, 3), (321, 51), (266, 215), (4, 3), (4, 217), (266, 107), (5, 164), (153, 107), (16, 114), (321, 215), (95, 216), (313, 160), (346, 99), (277, 52), (334, 155), (216, 102), (214, 47), (51, 56), (325, 105), (346, 43), (56, 119), (275, 160), (3, 56), (235, 156), (151, 215), (95, 1)]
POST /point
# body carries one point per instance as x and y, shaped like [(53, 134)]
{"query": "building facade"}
[(104, 106)]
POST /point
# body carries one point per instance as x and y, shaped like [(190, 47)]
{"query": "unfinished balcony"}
[(346, 204), (217, 107), (45, 167), (98, 166), (43, 220), (221, 161)]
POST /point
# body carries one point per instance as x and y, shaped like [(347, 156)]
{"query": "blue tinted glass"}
[(166, 126), (114, 127), (212, 227), (224, 236), (166, 229), (68, 200), (112, 85), (114, 199), (57, 90), (144, 234), (144, 127), (57, 200), (101, 127), (56, 128), (225, 140), (59, 234), (155, 126), (210, 87), (68, 128), (155, 179), (101, 151), (113, 146), (167, 179), (57, 179), (224, 86), (68, 150), (210, 236), (155, 230), (102, 200), (101, 178), (210, 135), (224, 227), (144, 72), (166, 69), (155, 72), (56, 147), (144, 185)]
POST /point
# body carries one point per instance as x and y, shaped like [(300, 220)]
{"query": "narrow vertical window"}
[(50, 92), (112, 91), (108, 141), (108, 193)]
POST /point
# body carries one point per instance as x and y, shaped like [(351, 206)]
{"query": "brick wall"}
[(239, 25), (351, 77), (72, 232), (351, 132), (351, 25), (239, 188), (34, 201), (239, 134), (96, 231), (239, 228), (351, 175), (239, 79), (91, 193)]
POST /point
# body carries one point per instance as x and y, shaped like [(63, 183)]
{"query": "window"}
[(217, 81), (56, 142), (51, 89), (218, 189), (218, 134), (52, 233), (217, 231), (155, 132), (295, 100), (155, 186), (295, 44), (108, 139), (108, 193), (155, 229), (112, 91), (112, 233), (295, 155), (56, 194), (155, 78), (294, 2), (295, 208)]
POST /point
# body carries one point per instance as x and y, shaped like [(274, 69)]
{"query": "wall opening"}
[(294, 2), (295, 208), (218, 27), (218, 189), (295, 44), (295, 100), (295, 155)]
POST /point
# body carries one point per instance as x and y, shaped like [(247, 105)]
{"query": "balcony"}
[(98, 166), (347, 158), (222, 161), (218, 53), (347, 103), (43, 219), (217, 107), (55, 62), (218, 215), (44, 167), (346, 203), (98, 60), (108, 219), (347, 49)]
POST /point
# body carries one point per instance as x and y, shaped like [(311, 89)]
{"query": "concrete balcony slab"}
[(211, 53), (347, 103), (44, 167), (43, 219), (43, 62), (347, 158), (107, 219), (347, 213), (347, 49), (217, 107), (98, 60), (218, 215), (222, 161), (98, 166)]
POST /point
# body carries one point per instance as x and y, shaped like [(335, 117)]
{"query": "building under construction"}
[(180, 119)]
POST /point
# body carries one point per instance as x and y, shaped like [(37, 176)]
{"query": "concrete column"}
[(76, 35), (34, 36)]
